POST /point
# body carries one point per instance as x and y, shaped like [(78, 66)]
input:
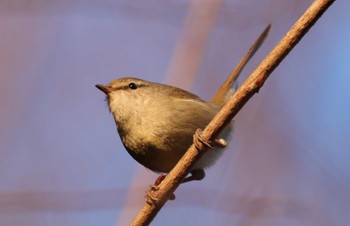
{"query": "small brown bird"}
[(156, 122)]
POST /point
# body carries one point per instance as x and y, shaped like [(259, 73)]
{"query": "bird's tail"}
[(225, 90)]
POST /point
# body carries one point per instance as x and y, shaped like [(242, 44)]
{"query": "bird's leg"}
[(196, 174), (159, 179), (150, 199), (199, 141)]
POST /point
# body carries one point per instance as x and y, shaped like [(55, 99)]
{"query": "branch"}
[(251, 86)]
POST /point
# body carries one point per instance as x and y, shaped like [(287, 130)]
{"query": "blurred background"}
[(62, 161)]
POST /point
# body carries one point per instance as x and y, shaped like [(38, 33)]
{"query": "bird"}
[(156, 122)]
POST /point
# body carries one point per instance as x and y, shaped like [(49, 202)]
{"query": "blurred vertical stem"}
[(200, 20), (251, 86)]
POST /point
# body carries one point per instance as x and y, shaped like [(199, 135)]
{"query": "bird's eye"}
[(132, 85)]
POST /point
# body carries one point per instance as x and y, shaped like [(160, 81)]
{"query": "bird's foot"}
[(150, 199), (199, 141)]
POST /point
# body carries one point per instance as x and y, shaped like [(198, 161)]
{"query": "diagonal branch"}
[(251, 86)]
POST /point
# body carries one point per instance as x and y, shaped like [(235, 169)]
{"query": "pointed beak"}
[(104, 89)]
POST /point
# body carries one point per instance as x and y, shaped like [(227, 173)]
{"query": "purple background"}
[(62, 162)]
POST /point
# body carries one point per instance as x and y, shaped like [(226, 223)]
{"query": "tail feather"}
[(220, 96)]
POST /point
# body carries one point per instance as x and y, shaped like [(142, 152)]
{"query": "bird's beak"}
[(105, 89)]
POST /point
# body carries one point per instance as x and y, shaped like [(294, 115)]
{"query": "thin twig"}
[(251, 86)]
